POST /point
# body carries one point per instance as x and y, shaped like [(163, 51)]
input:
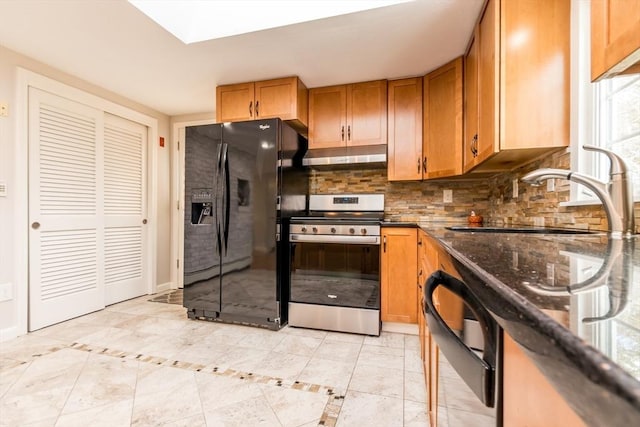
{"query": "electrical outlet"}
[(551, 185), (515, 189), (447, 196), (4, 109), (6, 292)]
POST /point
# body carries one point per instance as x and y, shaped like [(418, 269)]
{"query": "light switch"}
[(447, 196), (3, 189)]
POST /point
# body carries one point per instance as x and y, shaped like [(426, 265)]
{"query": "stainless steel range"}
[(335, 264)]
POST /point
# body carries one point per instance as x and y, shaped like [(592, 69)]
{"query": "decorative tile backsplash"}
[(489, 197), (407, 200)]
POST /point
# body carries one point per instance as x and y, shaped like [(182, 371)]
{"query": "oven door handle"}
[(355, 240), (478, 373)]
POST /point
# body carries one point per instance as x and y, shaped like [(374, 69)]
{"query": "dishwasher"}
[(468, 380)]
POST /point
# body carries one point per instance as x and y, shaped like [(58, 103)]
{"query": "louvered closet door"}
[(65, 209), (124, 208)]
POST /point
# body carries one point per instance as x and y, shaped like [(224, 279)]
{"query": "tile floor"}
[(142, 363)]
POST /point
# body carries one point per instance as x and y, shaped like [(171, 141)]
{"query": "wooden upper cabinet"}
[(367, 113), (327, 116), (235, 102), (286, 98), (522, 76), (398, 272), (615, 37), (470, 105), (404, 161), (442, 141), (348, 115)]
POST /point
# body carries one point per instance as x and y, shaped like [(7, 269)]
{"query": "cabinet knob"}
[(257, 111), (314, 229), (342, 133), (250, 108), (418, 165)]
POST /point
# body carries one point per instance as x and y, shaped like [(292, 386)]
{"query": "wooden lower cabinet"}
[(529, 400), (398, 272)]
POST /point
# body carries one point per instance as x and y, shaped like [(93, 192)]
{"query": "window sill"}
[(592, 202)]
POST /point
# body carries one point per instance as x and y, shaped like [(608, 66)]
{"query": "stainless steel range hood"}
[(346, 155)]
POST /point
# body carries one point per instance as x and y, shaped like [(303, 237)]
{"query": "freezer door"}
[(249, 259), (203, 149)]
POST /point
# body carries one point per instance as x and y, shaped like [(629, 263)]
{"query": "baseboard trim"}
[(7, 334), (167, 286), (400, 328)]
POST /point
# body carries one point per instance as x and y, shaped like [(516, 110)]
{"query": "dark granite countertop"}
[(572, 302)]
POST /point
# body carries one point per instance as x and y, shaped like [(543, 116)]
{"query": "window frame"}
[(586, 108)]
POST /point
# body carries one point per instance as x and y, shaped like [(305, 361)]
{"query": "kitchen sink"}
[(536, 230)]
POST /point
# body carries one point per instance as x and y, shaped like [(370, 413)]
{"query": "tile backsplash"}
[(407, 200), (490, 197)]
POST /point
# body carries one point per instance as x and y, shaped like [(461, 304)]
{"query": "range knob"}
[(314, 229), (352, 231), (363, 231), (333, 230), (303, 229)]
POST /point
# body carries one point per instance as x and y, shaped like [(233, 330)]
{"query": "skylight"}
[(197, 20)]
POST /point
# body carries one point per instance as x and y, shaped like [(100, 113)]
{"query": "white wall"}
[(9, 61)]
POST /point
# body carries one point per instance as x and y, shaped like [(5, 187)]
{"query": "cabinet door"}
[(404, 160), (235, 103), (534, 74), (615, 37), (367, 113), (488, 73), (526, 391), (470, 105), (398, 265), (284, 98), (327, 117), (442, 148)]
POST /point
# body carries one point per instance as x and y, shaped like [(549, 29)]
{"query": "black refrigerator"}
[(243, 182)]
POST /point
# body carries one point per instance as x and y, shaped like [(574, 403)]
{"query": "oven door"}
[(339, 271), (335, 283)]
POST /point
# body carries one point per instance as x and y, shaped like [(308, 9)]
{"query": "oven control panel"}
[(335, 229)]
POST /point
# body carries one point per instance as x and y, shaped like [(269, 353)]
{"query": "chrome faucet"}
[(616, 195)]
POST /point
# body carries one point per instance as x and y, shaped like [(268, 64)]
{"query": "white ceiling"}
[(113, 45)]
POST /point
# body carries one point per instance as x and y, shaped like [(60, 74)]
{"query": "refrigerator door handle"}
[(227, 196), (216, 201)]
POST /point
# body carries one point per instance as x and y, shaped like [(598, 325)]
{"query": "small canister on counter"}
[(474, 220)]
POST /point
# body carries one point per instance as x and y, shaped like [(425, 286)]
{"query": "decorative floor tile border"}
[(329, 415)]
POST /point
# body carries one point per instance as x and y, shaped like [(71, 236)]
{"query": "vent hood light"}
[(198, 20)]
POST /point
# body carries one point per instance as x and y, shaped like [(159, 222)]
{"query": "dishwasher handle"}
[(478, 372)]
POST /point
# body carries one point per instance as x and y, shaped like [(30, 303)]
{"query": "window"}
[(604, 114), (617, 124)]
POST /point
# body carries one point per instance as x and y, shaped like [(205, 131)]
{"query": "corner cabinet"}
[(398, 272), (348, 115), (286, 98), (517, 84), (442, 141), (615, 37), (404, 149)]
